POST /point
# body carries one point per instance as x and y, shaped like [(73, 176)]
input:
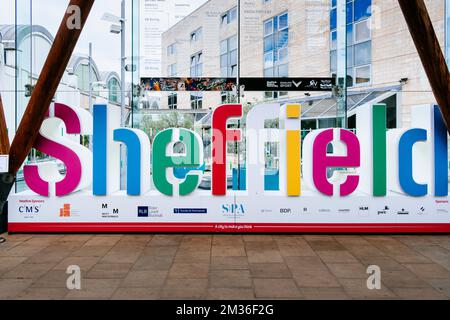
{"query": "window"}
[(172, 70), (359, 41), (229, 16), (274, 94), (172, 100), (228, 57), (171, 50), (196, 35), (276, 43), (113, 90), (196, 100), (197, 65)]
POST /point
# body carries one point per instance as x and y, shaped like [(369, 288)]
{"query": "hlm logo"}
[(29, 209), (105, 206), (233, 208)]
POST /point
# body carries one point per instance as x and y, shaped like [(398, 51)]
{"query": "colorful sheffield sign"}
[(377, 170)]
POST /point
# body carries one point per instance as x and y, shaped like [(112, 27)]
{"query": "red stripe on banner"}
[(228, 227)]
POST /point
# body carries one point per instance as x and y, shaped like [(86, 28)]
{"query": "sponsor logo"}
[(29, 209), (142, 212), (324, 210), (65, 211), (326, 84), (421, 211), (266, 210), (109, 213), (285, 210), (344, 210), (313, 84), (383, 211), (148, 212), (403, 212), (363, 210), (272, 84), (297, 84), (442, 206), (190, 210), (233, 209)]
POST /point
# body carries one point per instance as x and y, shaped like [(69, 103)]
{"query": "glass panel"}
[(363, 9), (333, 19), (362, 31), (363, 53), (268, 43), (362, 75), (333, 44), (283, 21), (268, 27)]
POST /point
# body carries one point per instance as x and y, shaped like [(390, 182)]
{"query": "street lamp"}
[(118, 27)]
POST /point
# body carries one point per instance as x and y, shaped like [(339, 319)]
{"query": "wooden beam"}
[(4, 139), (47, 84), (429, 49)]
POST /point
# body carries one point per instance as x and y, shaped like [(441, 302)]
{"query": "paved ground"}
[(224, 266)]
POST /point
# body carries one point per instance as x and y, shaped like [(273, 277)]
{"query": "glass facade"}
[(359, 41), (277, 38), (276, 46)]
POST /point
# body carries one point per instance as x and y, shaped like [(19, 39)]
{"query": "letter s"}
[(76, 158)]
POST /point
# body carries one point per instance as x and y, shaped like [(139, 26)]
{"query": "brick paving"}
[(224, 266)]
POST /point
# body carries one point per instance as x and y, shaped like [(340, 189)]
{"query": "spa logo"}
[(233, 208)]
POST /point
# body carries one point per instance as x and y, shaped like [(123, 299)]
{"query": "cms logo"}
[(29, 209), (233, 208)]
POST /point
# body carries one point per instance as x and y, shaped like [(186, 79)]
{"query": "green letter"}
[(164, 156)]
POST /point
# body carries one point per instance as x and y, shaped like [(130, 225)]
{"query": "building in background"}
[(297, 38)]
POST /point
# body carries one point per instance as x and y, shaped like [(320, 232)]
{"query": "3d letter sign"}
[(334, 180)]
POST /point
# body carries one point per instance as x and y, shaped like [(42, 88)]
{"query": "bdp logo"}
[(143, 212), (65, 211)]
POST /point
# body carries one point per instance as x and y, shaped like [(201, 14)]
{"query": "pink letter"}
[(58, 151), (322, 161)]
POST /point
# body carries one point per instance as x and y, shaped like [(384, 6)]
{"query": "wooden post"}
[(47, 84), (4, 139), (429, 49)]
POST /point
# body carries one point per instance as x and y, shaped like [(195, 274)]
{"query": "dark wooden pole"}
[(429, 49), (4, 139), (47, 84)]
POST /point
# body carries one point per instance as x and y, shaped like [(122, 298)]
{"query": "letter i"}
[(293, 147)]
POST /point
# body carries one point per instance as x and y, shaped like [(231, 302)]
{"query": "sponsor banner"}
[(229, 84), (236, 212), (188, 84), (287, 84)]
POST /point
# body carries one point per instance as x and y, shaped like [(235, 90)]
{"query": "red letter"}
[(220, 136)]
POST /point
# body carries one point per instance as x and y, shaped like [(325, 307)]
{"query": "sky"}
[(49, 13)]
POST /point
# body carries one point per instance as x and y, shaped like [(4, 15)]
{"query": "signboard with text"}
[(376, 180)]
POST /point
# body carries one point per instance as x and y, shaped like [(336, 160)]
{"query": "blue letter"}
[(131, 140), (405, 159), (99, 150)]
